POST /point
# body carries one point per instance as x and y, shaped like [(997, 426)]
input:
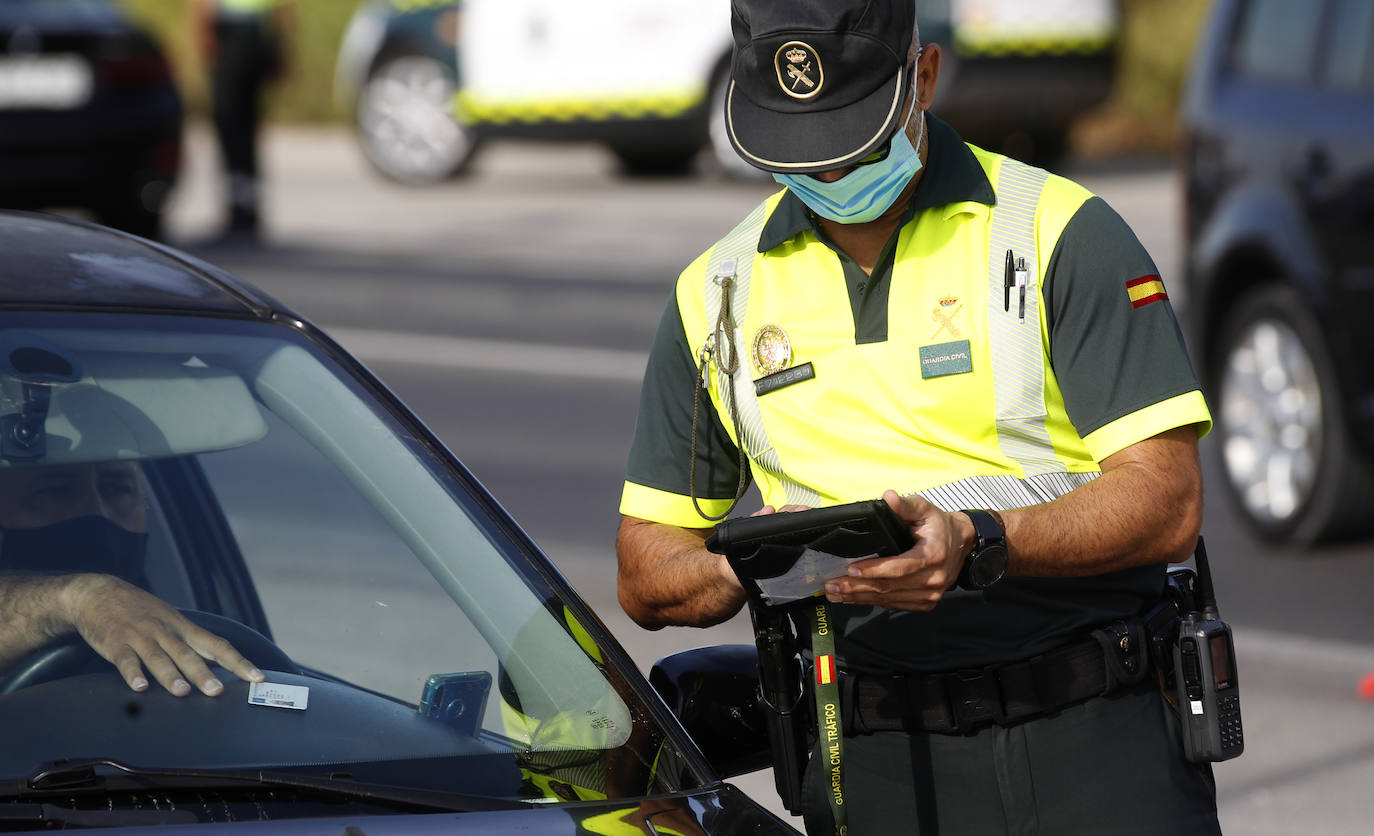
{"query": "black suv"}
[(1279, 214), (90, 116)]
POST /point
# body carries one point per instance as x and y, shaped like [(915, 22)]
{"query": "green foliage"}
[(1155, 52), (305, 91)]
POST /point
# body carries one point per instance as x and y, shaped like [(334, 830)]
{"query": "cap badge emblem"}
[(799, 70), (772, 350)]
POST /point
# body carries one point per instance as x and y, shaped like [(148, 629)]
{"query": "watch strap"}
[(986, 527), (989, 535)]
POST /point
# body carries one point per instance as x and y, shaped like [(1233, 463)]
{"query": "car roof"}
[(51, 262)]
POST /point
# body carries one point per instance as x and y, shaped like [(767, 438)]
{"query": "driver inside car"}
[(72, 543)]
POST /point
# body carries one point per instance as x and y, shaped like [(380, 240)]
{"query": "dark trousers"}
[(246, 57), (1110, 765)]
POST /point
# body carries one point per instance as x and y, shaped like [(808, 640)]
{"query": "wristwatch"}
[(987, 562)]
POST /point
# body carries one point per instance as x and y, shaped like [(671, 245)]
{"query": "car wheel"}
[(1286, 451), (406, 122), (724, 157), (658, 161)]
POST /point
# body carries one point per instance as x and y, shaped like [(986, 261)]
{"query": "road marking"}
[(379, 346), (1258, 646)]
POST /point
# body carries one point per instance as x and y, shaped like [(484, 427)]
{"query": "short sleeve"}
[(1116, 349), (657, 478)]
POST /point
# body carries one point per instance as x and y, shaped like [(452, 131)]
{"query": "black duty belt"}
[(959, 702)]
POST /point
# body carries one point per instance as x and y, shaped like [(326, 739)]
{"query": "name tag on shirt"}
[(786, 377), (946, 359)]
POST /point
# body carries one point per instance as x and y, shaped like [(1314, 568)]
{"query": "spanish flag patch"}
[(1145, 290), (825, 669)]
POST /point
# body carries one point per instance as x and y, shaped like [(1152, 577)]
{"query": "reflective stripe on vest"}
[(733, 257), (1018, 358)]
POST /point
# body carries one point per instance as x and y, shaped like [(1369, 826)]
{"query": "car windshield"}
[(407, 635)]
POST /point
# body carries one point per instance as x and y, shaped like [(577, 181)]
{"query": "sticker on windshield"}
[(278, 695)]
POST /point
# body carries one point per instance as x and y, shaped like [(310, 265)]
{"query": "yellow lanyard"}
[(828, 714)]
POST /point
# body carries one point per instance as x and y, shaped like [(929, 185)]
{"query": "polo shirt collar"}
[(952, 174)]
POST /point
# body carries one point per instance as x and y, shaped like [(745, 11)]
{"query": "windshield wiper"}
[(78, 776), (49, 815)]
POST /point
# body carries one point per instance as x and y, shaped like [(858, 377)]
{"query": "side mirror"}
[(714, 692)]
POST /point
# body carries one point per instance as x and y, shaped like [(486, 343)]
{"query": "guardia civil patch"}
[(945, 359)]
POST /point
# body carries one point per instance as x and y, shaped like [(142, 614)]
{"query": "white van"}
[(430, 80)]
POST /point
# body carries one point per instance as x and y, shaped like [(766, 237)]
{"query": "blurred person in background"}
[(243, 44)]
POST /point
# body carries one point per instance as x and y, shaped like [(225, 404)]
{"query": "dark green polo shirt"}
[(1109, 360)]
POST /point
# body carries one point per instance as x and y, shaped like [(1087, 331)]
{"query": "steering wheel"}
[(70, 655)]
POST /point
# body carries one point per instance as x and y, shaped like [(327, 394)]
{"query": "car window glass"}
[(281, 497), (338, 587), (1277, 40), (1350, 60), (168, 577)]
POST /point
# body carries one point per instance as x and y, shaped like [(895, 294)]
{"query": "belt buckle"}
[(974, 699)]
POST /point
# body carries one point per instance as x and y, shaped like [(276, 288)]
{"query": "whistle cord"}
[(727, 367)]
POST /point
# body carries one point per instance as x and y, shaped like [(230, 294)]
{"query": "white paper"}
[(278, 695), (806, 578)]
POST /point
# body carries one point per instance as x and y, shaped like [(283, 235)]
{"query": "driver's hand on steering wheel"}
[(132, 629)]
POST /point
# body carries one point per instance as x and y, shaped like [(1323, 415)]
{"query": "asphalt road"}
[(512, 310)]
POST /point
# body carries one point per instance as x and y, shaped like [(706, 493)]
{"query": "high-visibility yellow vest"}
[(997, 436)]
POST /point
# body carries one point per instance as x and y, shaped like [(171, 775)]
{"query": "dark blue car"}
[(1279, 209), (171, 437), (90, 117)]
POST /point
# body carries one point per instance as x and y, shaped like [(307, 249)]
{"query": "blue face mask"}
[(866, 192)]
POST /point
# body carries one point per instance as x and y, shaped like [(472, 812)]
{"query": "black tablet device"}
[(767, 546)]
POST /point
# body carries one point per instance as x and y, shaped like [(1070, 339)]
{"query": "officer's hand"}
[(767, 509), (786, 509), (915, 579), (132, 628), (731, 579)]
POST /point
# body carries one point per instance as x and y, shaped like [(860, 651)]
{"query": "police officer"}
[(987, 347), (243, 40)]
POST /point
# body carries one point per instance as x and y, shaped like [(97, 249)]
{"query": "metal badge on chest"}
[(772, 356)]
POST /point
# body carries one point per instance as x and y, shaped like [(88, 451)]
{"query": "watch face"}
[(989, 566)]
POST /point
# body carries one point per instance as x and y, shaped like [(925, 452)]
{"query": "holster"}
[(1125, 653)]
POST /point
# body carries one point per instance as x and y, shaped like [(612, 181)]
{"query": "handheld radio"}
[(1205, 676)]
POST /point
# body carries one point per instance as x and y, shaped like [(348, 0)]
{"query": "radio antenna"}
[(1207, 595)]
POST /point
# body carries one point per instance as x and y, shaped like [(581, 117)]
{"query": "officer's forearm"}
[(667, 577), (32, 613), (1146, 508)]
